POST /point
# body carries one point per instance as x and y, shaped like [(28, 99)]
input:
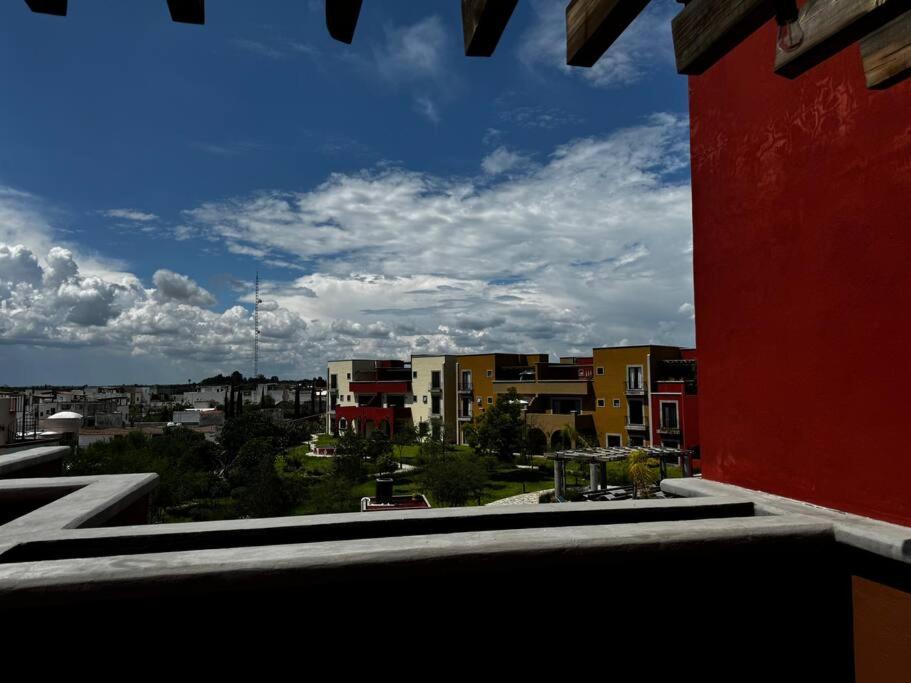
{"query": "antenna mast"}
[(256, 302)]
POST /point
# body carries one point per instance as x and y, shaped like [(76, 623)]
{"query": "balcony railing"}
[(634, 389), (637, 426), (465, 388), (667, 429)]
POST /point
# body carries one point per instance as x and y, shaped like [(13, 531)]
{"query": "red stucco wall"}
[(802, 257)]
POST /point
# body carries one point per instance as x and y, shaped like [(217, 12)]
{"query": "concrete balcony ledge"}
[(40, 461), (890, 541), (294, 565)]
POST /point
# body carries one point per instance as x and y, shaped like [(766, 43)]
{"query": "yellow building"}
[(623, 381), (477, 374)]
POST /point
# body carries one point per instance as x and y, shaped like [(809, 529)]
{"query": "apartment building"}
[(625, 379), (554, 396), (365, 395), (674, 403), (433, 406), (476, 376)]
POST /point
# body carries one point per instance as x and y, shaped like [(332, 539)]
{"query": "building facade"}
[(433, 406), (365, 395), (625, 378)]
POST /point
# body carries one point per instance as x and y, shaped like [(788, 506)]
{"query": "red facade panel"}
[(803, 289)]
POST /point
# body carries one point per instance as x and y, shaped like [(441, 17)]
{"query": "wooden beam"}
[(887, 53), (829, 26), (706, 30), (187, 11), (592, 26), (341, 19), (483, 22), (55, 7)]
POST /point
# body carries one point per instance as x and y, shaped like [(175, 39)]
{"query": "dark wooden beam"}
[(341, 18), (830, 26), (483, 22), (592, 26), (188, 11), (887, 53), (706, 30), (55, 7)]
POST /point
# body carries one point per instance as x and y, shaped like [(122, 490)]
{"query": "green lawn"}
[(326, 440)]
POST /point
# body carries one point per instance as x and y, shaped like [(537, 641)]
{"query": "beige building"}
[(433, 385)]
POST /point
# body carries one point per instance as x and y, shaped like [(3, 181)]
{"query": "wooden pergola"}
[(704, 30), (596, 457)]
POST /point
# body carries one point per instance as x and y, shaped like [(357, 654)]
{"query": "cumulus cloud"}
[(172, 286), (588, 247), (644, 44)]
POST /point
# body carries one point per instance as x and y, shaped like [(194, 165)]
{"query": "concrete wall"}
[(803, 290)]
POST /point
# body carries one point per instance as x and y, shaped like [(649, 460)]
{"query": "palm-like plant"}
[(572, 437), (639, 466)]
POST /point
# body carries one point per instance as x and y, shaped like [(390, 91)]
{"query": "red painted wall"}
[(802, 257)]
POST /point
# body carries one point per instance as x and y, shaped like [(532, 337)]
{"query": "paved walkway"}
[(522, 498)]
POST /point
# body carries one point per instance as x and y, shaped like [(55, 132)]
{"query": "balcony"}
[(465, 388), (543, 387), (436, 389), (668, 430), (761, 574), (637, 426), (634, 389), (394, 387)]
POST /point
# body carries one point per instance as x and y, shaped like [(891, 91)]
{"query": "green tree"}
[(405, 435), (452, 479), (640, 467), (499, 431)]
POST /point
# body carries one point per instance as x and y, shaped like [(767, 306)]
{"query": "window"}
[(342, 424), (333, 381), (600, 371), (616, 403), (414, 375), (634, 377), (480, 400), (636, 413), (489, 400), (422, 428), (669, 415), (349, 398), (636, 441), (435, 405), (425, 399), (435, 427), (490, 373), (614, 440), (601, 402), (414, 399), (349, 375), (466, 379), (435, 379)]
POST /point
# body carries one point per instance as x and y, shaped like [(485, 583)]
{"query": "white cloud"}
[(426, 107), (172, 286), (502, 160), (412, 52), (587, 248), (130, 215), (645, 44)]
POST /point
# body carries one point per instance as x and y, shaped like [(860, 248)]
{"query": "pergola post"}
[(594, 475)]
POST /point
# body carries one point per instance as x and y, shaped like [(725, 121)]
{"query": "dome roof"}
[(65, 415)]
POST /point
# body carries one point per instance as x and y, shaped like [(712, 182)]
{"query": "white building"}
[(433, 387)]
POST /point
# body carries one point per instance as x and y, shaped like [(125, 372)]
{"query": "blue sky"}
[(393, 194)]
